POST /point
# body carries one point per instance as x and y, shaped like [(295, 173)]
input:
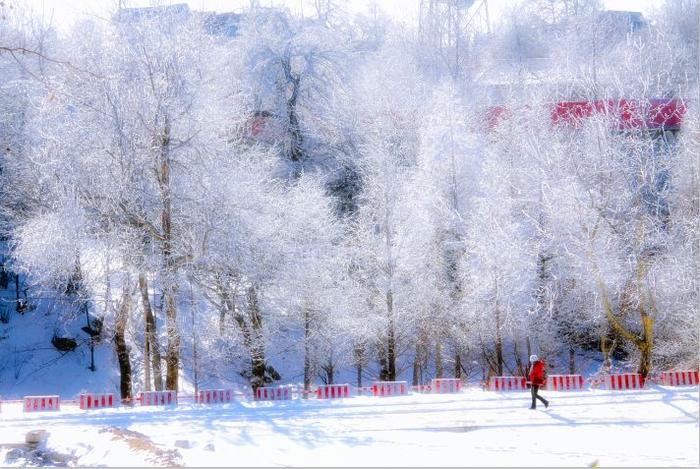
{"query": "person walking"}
[(537, 379)]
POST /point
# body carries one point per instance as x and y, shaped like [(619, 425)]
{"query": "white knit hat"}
[(533, 358)]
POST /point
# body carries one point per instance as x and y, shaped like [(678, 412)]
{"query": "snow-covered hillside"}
[(654, 427)]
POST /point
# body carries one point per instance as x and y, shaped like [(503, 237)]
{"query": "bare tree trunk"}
[(499, 343), (359, 358), (257, 346), (572, 361), (522, 369), (645, 342), (151, 335), (438, 358), (329, 369), (416, 367), (499, 340), (120, 347), (307, 352), (458, 365), (391, 339), (383, 368), (172, 353)]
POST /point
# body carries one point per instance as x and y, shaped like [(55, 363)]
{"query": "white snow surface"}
[(657, 426)]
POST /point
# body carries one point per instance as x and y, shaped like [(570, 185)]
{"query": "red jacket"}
[(537, 373)]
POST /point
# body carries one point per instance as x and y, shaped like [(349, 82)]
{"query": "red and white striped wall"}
[(213, 396), (332, 391), (507, 383), (565, 382), (678, 378), (273, 393), (389, 388), (623, 381), (157, 398), (97, 401), (445, 385), (41, 403)]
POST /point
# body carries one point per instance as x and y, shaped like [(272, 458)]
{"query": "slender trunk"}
[(120, 346), (572, 361), (307, 351), (383, 368), (438, 358), (458, 365), (330, 369), (151, 336), (257, 345), (645, 344), (359, 358), (416, 366), (391, 339), (172, 353), (195, 368), (499, 343), (146, 358)]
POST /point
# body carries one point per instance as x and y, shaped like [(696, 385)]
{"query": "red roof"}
[(625, 114)]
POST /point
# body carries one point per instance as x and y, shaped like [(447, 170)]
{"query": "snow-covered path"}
[(653, 427)]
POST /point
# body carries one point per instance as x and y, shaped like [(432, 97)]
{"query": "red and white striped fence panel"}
[(41, 403), (565, 382), (678, 378), (97, 401), (157, 398), (389, 388), (273, 393), (507, 383), (623, 381), (445, 385), (332, 391), (213, 396)]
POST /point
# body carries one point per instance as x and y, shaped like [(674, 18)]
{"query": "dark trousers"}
[(534, 388)]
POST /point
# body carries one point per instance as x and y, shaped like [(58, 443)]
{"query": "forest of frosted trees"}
[(357, 196)]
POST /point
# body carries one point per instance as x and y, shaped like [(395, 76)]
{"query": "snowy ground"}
[(653, 427)]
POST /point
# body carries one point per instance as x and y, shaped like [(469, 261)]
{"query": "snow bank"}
[(652, 427)]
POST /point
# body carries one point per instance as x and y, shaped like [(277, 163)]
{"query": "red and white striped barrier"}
[(507, 383), (213, 396), (97, 401), (445, 385), (41, 403), (565, 382), (623, 381), (277, 393), (157, 398), (678, 378), (389, 388), (332, 391)]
